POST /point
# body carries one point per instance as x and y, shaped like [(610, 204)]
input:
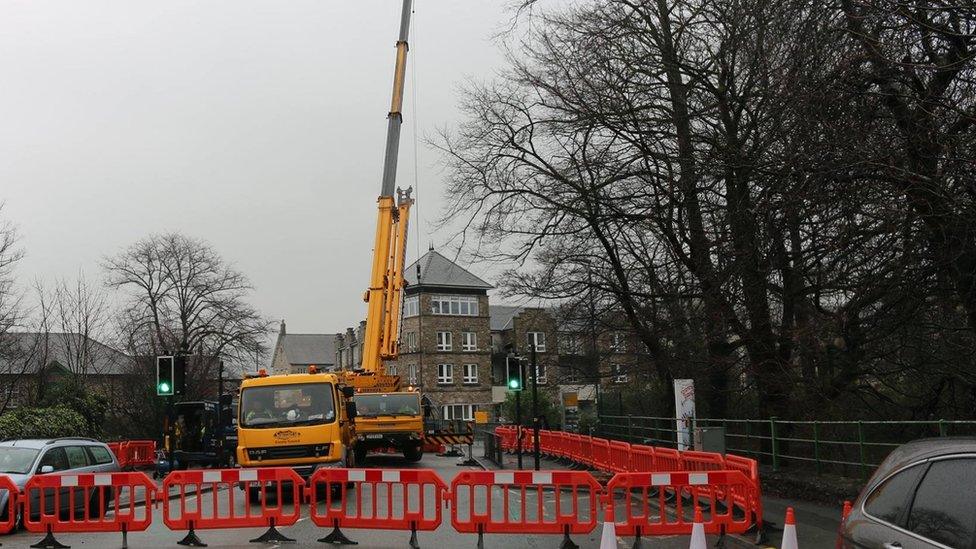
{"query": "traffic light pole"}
[(535, 408), (518, 422)]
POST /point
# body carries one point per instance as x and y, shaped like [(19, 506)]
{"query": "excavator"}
[(387, 416)]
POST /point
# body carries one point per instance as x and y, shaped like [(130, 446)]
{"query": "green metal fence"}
[(849, 448)]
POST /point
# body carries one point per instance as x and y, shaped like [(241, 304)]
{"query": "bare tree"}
[(183, 297)]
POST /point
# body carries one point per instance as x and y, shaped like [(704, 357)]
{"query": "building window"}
[(464, 412), (618, 343), (540, 373), (411, 306), (572, 374), (457, 305), (410, 342), (619, 373), (538, 339), (412, 374), (445, 374), (470, 374), (469, 341), (444, 342), (569, 344), (391, 369)]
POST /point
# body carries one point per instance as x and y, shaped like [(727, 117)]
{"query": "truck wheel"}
[(254, 495), (360, 455), (413, 453)]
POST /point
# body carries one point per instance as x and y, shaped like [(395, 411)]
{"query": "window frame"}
[(618, 342), (618, 373), (411, 374), (465, 378), (467, 409), (471, 303), (473, 346), (411, 306), (445, 379), (532, 339), (445, 347)]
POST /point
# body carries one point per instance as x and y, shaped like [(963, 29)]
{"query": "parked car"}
[(922, 496), (22, 459)]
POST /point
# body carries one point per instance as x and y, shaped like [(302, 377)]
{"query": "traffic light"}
[(165, 385), (513, 373), (179, 374)]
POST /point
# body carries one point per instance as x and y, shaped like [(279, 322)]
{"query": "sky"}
[(258, 126)]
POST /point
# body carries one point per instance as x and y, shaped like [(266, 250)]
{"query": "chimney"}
[(282, 331)]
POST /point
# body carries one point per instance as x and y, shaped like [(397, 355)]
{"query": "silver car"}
[(22, 459), (922, 496)]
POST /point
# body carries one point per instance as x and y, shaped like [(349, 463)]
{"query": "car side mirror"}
[(351, 410), (348, 391), (45, 469)]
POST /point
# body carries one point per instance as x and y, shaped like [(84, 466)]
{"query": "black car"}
[(922, 496)]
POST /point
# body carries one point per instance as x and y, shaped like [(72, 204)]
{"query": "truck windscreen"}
[(287, 405), (387, 404)]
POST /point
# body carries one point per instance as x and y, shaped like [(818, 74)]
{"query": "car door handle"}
[(892, 545)]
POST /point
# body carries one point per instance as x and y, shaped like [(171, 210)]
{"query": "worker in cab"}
[(258, 410)]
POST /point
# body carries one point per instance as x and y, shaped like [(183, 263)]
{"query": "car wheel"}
[(413, 453)]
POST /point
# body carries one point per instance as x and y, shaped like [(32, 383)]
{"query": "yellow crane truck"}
[(308, 421), (391, 418)]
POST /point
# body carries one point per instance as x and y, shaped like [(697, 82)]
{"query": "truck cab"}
[(389, 420), (303, 421)]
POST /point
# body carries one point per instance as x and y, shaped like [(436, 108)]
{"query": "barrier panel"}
[(650, 507), (116, 448), (184, 508), (385, 499), (620, 455), (641, 458), (515, 502), (667, 459), (8, 520), (87, 502), (138, 453), (600, 452), (701, 461), (753, 499)]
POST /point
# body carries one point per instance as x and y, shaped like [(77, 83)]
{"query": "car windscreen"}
[(391, 404), (287, 405), (16, 460)]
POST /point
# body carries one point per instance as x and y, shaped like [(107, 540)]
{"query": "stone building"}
[(294, 353)]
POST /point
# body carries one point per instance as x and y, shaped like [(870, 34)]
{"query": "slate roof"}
[(20, 348), (437, 270), (501, 316), (318, 349)]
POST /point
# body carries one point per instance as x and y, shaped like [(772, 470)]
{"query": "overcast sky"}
[(257, 126)]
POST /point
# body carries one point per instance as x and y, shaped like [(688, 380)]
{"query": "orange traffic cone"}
[(789, 531), (609, 538), (698, 532)]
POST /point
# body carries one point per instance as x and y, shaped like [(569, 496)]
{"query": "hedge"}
[(56, 421)]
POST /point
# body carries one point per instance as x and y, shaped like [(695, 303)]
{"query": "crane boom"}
[(389, 250)]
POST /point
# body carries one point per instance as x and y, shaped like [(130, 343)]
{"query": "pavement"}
[(817, 526)]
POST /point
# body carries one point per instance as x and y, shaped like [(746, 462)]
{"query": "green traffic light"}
[(164, 388), (513, 384)]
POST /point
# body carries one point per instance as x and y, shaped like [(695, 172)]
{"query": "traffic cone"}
[(847, 510), (789, 531), (609, 538), (698, 532)]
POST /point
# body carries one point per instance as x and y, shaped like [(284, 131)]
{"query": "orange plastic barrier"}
[(620, 455), (641, 458), (385, 499), (702, 461), (116, 448), (521, 507), (88, 502), (750, 468), (138, 453), (667, 459), (8, 520), (600, 452), (650, 508), (185, 512)]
